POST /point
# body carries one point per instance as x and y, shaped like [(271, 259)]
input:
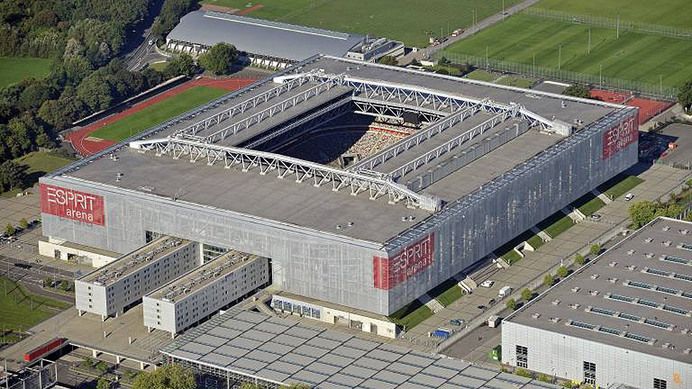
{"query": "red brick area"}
[(609, 96), (649, 108), (85, 145)]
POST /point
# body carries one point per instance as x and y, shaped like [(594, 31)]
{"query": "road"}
[(428, 52), (139, 52)]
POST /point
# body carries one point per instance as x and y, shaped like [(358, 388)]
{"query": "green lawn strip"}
[(16, 306), (535, 241), (668, 12), (411, 315), (158, 113), (511, 256), (15, 69), (519, 82), (37, 164), (447, 292), (590, 207), (481, 75), (560, 226), (547, 43), (411, 21), (159, 65), (621, 186)]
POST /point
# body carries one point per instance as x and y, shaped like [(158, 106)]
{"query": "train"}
[(44, 349)]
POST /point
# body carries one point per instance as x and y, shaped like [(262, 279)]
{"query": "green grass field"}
[(591, 206), (481, 75), (410, 21), (558, 227), (646, 58), (674, 13), (623, 187), (450, 295), (519, 82), (158, 113), (37, 164), (21, 310), (15, 69), (411, 315)]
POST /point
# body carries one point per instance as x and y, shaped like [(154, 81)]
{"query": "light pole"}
[(559, 57)]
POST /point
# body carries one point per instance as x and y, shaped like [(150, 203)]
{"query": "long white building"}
[(625, 318), (202, 292), (119, 285)]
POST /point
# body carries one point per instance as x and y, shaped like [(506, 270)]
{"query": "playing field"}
[(410, 21), (21, 310), (158, 113), (15, 69), (674, 13), (548, 43)]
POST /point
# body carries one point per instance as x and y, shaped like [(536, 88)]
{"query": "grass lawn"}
[(159, 65), (411, 315), (669, 12), (634, 56), (535, 241), (15, 69), (450, 295), (410, 21), (591, 206), (511, 256), (519, 82), (623, 187), (37, 164), (21, 310), (158, 113), (481, 75), (558, 227)]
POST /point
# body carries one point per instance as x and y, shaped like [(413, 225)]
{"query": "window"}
[(660, 384), (589, 373), (522, 356)]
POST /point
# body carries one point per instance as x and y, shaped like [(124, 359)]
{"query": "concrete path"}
[(428, 52), (602, 196)]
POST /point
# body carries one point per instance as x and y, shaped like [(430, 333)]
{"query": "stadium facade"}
[(272, 44), (472, 166), (622, 319)]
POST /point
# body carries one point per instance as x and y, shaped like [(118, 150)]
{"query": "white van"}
[(505, 291)]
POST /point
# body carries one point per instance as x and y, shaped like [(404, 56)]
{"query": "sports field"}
[(22, 310), (548, 43), (674, 13), (15, 69), (410, 21), (158, 113)]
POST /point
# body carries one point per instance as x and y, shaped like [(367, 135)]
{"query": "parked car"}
[(596, 216), (629, 196), (457, 322), (487, 283)]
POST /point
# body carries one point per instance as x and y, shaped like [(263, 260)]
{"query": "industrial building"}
[(625, 318), (244, 346), (272, 44), (121, 284), (199, 294), (365, 185)]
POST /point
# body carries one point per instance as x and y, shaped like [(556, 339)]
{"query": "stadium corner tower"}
[(365, 185)]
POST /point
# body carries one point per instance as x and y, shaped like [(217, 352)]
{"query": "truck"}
[(505, 291), (494, 321)]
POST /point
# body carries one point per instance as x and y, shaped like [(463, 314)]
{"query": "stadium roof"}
[(636, 295), (278, 350), (262, 37), (284, 201)]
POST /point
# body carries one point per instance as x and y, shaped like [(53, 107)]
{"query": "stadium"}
[(364, 185)]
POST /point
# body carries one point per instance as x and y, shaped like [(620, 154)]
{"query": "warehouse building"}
[(121, 284), (471, 166), (194, 297), (625, 318), (272, 44)]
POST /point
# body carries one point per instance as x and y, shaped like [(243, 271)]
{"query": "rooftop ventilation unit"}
[(536, 315), (666, 228), (630, 252), (576, 289), (555, 319), (648, 240), (556, 302), (613, 264)]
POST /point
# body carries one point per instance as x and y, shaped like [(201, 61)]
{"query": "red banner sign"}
[(390, 272), (72, 204), (620, 136)]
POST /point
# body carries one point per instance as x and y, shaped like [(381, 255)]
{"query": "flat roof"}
[(262, 37), (130, 263), (636, 295), (374, 221), (203, 276), (283, 351)]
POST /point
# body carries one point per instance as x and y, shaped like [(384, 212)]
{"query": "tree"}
[(562, 271), (167, 377), (183, 64), (579, 259), (642, 212), (685, 96), (511, 304), (526, 294), (388, 60), (9, 229), (443, 61), (11, 174), (103, 384), (577, 90), (595, 249), (219, 58), (548, 280), (23, 223)]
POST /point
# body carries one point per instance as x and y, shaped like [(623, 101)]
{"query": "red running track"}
[(85, 145)]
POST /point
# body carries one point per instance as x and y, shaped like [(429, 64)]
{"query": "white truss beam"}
[(375, 184)]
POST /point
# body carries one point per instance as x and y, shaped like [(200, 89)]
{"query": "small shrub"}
[(562, 271), (595, 249), (579, 259), (523, 373), (526, 294), (512, 304), (548, 280)]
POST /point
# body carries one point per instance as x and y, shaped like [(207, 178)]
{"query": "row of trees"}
[(171, 12)]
